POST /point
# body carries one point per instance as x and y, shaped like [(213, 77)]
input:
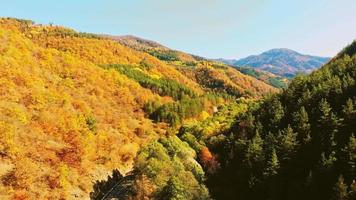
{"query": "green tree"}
[(174, 190), (287, 142), (254, 153), (348, 109), (340, 190), (272, 164), (352, 192), (350, 151), (329, 123), (302, 126)]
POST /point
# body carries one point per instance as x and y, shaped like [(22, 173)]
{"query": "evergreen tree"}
[(276, 110), (351, 155), (348, 109), (269, 143), (352, 192), (329, 123), (302, 125), (287, 142), (340, 190), (254, 154), (272, 164)]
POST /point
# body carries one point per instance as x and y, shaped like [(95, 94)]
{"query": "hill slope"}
[(74, 106), (297, 144), (300, 141), (265, 76), (284, 62), (64, 120), (210, 74)]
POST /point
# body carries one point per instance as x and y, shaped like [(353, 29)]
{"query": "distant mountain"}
[(226, 61), (155, 49), (283, 62)]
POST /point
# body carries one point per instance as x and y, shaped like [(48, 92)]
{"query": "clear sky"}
[(210, 28)]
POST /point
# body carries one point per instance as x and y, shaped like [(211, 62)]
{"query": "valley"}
[(96, 116)]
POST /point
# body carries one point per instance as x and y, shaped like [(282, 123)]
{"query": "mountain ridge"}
[(280, 61)]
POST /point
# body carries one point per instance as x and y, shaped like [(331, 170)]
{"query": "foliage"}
[(161, 86), (61, 115), (174, 113), (66, 120), (170, 164), (298, 141), (274, 80)]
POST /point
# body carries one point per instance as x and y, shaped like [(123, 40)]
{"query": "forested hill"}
[(299, 144), (75, 106), (208, 73), (283, 62)]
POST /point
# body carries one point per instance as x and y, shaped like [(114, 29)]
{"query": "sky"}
[(209, 28)]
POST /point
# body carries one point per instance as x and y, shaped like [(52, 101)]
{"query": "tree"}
[(174, 190), (352, 192), (329, 123), (339, 190), (348, 109), (287, 142), (302, 125), (272, 164), (208, 160), (350, 151), (254, 153)]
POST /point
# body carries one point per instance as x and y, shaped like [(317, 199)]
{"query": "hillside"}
[(283, 62), (103, 117), (211, 75), (300, 141), (265, 76), (155, 49), (65, 121), (297, 144), (75, 106)]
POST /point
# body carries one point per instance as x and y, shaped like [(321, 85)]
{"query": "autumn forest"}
[(94, 116)]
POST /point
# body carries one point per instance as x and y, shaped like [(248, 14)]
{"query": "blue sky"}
[(210, 28)]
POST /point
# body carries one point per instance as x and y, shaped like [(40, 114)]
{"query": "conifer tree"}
[(287, 142), (302, 125), (352, 192), (328, 123), (254, 152), (340, 190), (272, 164), (351, 158)]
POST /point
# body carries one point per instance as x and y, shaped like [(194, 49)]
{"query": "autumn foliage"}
[(67, 119), (208, 160)]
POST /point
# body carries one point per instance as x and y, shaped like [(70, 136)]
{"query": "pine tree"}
[(277, 111), (287, 142), (349, 113), (302, 125), (254, 152), (272, 164), (351, 152), (348, 109), (269, 143), (352, 192), (340, 190), (329, 123)]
